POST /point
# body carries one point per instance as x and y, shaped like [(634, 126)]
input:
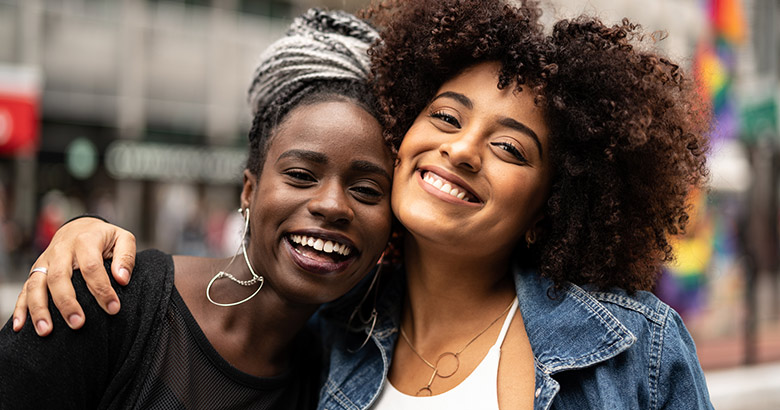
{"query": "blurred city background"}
[(135, 110)]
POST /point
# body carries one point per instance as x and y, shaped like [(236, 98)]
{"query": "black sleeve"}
[(85, 216), (90, 367)]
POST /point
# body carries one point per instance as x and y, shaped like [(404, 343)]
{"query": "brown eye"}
[(300, 176), (449, 119), (367, 193), (511, 149)]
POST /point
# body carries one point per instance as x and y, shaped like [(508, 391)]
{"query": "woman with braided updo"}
[(226, 333), (538, 179)]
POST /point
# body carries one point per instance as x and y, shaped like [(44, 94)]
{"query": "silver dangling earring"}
[(371, 319), (222, 274)]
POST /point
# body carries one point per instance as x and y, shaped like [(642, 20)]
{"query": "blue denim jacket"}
[(592, 350)]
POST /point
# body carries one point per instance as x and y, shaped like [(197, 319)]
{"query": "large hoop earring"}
[(222, 274), (370, 321), (530, 238)]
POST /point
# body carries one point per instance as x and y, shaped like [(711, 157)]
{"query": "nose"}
[(331, 204), (463, 151)]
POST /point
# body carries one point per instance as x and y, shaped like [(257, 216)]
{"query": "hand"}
[(79, 244)]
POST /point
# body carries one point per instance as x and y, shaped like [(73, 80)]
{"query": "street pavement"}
[(746, 388)]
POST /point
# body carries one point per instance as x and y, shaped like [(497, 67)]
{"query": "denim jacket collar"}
[(568, 329)]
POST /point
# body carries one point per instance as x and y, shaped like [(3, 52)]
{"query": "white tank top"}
[(478, 391)]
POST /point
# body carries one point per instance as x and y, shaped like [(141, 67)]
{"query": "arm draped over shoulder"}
[(91, 367)]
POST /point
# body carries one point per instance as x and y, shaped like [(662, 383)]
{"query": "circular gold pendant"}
[(425, 391), (447, 364)]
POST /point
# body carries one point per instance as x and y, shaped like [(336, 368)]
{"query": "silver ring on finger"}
[(39, 269)]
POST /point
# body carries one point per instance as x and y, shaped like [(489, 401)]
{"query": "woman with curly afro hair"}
[(538, 181)]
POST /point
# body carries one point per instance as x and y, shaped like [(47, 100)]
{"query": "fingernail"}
[(113, 307), (124, 273), (74, 320), (16, 323), (41, 327)]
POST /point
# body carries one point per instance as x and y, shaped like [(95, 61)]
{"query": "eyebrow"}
[(519, 126), (370, 167), (505, 121), (320, 158), (312, 156), (457, 97)]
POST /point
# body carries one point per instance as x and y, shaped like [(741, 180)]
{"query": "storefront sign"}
[(167, 162)]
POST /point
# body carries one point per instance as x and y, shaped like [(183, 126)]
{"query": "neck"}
[(448, 285), (255, 336)]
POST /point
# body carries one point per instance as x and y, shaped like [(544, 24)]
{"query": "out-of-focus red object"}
[(19, 105), (18, 123)]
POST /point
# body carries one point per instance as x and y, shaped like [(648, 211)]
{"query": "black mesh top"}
[(187, 373), (151, 355)]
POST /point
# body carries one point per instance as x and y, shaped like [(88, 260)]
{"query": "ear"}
[(247, 193), (536, 225)]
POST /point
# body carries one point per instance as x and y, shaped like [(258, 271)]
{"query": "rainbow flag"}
[(715, 63), (683, 283), (728, 20)]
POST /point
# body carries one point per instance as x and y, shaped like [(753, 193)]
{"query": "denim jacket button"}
[(538, 392)]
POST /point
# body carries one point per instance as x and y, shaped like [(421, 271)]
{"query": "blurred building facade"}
[(141, 112)]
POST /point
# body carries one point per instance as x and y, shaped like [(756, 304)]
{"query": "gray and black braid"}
[(322, 57)]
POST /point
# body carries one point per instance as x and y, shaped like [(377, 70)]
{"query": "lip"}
[(450, 177), (315, 266)]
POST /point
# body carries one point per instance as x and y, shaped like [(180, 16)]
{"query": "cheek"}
[(273, 203), (396, 196), (413, 140), (521, 196), (376, 225), (403, 173)]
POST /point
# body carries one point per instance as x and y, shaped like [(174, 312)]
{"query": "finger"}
[(20, 310), (124, 257), (90, 258), (21, 307), (38, 303), (63, 294)]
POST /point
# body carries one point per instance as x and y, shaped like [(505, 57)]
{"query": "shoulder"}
[(142, 299), (630, 347), (152, 261), (95, 362), (149, 290), (657, 327), (663, 345), (152, 279), (650, 319), (640, 309)]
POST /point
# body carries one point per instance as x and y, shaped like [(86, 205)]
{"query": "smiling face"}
[(320, 209), (474, 172)]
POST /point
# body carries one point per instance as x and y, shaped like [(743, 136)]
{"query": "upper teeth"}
[(444, 186), (321, 245)]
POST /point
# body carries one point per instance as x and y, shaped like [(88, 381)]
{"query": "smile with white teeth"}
[(446, 187), (321, 245)]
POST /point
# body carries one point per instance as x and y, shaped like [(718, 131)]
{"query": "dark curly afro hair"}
[(628, 131), (426, 43)]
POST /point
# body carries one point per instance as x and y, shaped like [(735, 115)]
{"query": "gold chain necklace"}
[(448, 370)]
